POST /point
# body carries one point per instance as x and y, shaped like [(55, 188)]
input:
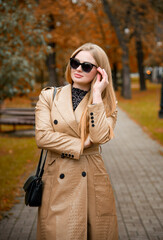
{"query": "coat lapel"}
[(63, 103)]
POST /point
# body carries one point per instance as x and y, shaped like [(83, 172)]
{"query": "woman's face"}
[(80, 78)]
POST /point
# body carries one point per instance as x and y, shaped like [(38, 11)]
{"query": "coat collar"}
[(63, 102)]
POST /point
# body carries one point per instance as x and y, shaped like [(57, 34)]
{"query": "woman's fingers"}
[(99, 77), (104, 76), (100, 70), (102, 80)]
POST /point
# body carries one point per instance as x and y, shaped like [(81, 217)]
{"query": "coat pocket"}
[(51, 166), (104, 198), (51, 161)]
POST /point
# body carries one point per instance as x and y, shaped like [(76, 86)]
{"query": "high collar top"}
[(77, 96)]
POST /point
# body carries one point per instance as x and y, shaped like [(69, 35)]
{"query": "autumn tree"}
[(74, 23), (123, 40), (133, 19), (67, 24), (59, 15), (22, 47), (155, 48), (141, 25)]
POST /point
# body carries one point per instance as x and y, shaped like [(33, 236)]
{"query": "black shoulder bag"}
[(34, 185)]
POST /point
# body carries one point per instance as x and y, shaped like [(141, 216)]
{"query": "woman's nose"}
[(79, 68)]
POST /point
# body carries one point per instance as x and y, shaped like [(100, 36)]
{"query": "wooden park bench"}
[(17, 116)]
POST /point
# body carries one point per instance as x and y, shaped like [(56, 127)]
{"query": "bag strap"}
[(38, 172), (42, 169)]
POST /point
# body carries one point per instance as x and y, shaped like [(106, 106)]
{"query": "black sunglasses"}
[(86, 67)]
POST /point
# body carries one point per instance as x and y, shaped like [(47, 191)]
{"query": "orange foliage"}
[(75, 24), (85, 21)]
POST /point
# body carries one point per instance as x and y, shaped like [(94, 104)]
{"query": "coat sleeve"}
[(46, 138), (100, 127)]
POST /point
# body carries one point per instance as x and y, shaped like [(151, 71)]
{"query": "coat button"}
[(62, 175), (83, 174), (72, 156), (69, 155), (93, 125), (91, 113), (62, 155), (66, 154), (55, 121), (92, 117), (92, 121)]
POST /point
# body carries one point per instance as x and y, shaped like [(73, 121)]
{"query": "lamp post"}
[(161, 104)]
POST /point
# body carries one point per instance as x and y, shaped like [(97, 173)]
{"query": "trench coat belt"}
[(89, 151)]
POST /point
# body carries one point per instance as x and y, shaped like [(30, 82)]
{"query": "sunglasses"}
[(86, 67)]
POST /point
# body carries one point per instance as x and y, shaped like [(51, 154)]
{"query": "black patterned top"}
[(77, 96)]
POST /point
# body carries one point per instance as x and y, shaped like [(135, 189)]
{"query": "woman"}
[(78, 201)]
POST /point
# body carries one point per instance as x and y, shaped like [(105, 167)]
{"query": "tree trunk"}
[(51, 63), (115, 80), (126, 82), (126, 85), (51, 59), (140, 57)]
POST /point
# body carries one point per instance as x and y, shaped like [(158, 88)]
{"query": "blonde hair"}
[(108, 95)]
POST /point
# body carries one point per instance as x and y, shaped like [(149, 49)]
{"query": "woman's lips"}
[(78, 75)]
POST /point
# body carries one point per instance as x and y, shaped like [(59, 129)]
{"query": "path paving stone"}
[(135, 167)]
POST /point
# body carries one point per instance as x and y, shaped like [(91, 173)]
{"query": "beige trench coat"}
[(78, 201)]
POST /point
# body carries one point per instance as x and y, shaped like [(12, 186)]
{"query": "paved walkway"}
[(135, 166)]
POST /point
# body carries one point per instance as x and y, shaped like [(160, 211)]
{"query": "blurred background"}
[(36, 40)]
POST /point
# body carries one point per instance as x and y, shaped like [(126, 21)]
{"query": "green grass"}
[(18, 159), (18, 156), (143, 108)]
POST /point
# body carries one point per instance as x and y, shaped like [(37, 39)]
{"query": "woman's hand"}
[(87, 142), (100, 84)]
